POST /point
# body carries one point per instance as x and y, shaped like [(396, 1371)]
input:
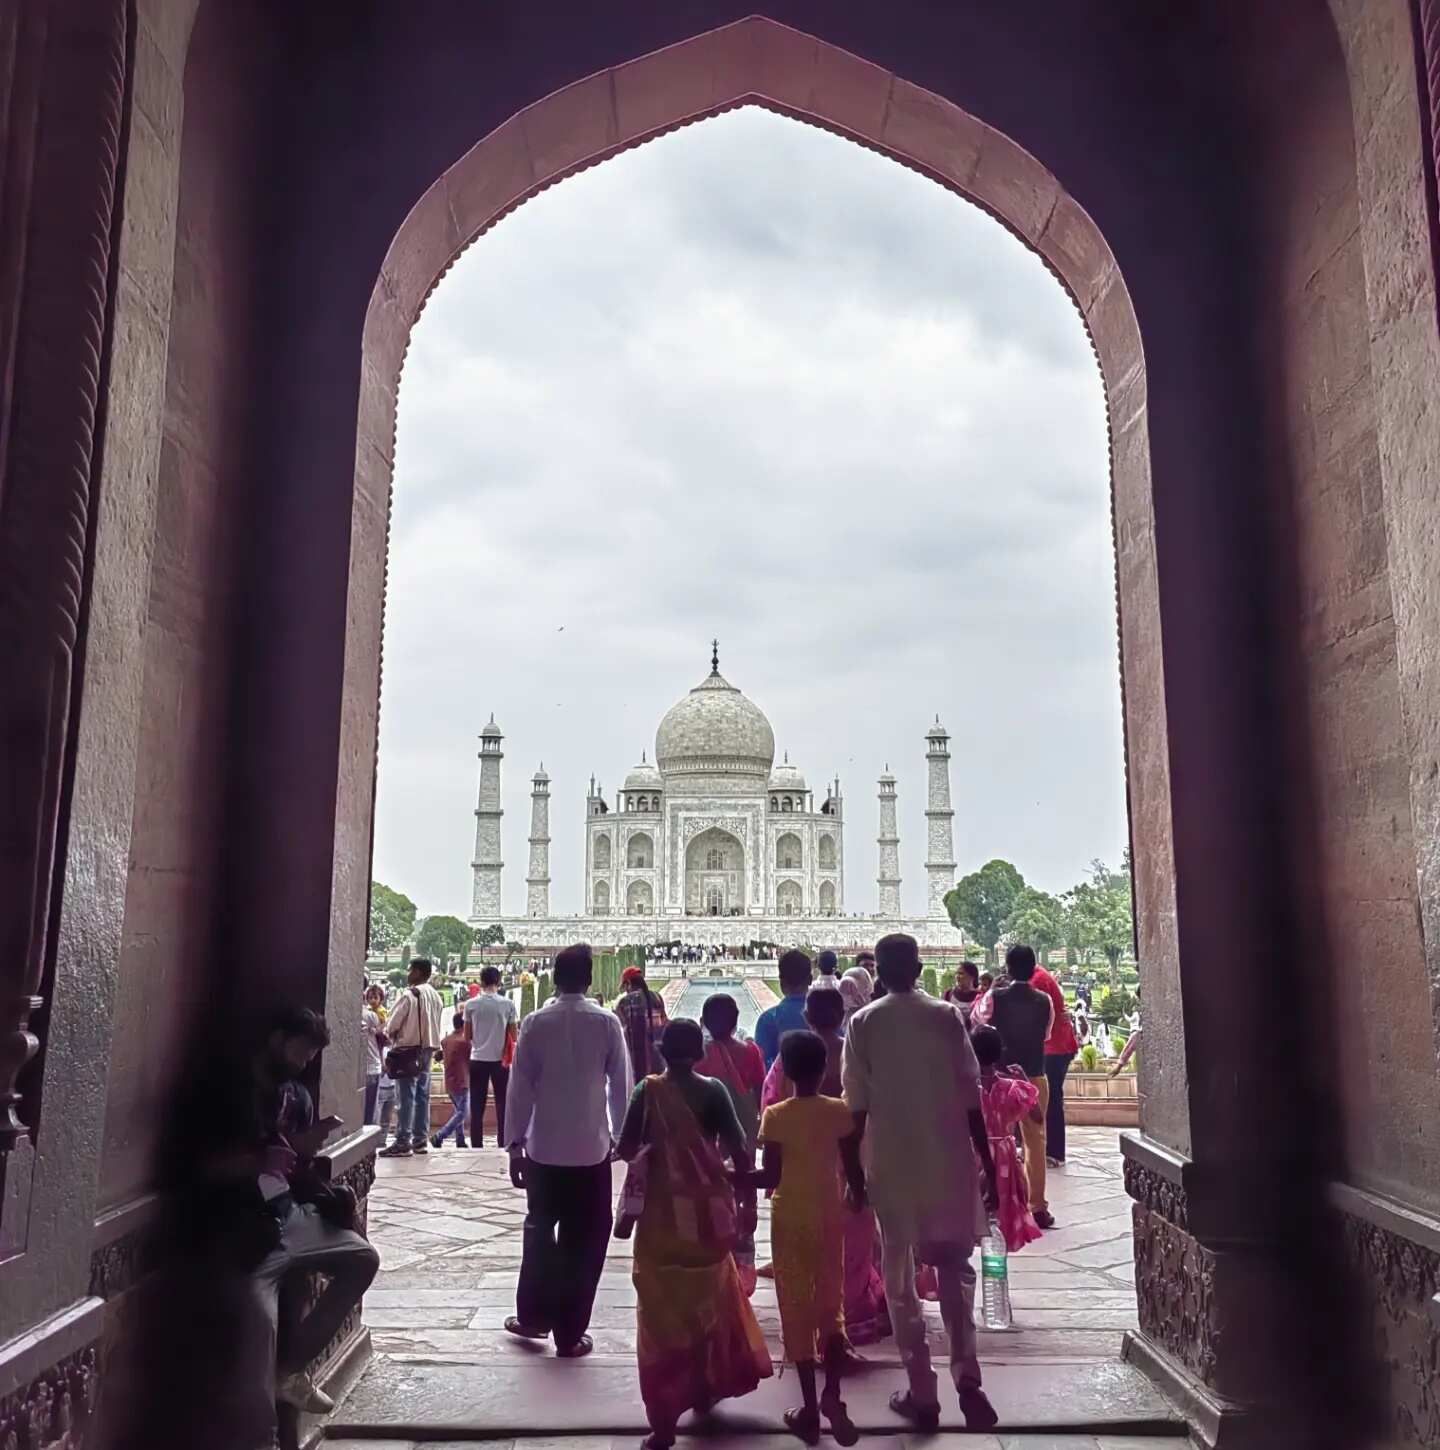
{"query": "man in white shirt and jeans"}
[(488, 1017), (416, 1028), (569, 1089)]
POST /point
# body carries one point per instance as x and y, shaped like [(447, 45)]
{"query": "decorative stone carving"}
[(122, 1263), (1160, 1195), (1175, 1291), (53, 1411), (1401, 1278)]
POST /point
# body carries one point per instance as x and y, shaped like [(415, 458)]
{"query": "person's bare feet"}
[(842, 1427)]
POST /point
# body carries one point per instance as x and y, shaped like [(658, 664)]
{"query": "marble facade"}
[(713, 842)]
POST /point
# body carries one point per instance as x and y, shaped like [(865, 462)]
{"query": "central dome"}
[(716, 732)]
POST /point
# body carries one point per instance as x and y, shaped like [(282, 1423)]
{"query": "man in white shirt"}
[(569, 1089), (488, 1018), (416, 1028), (913, 1083)]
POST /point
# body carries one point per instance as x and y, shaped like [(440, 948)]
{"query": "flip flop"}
[(524, 1331), (578, 1350), (800, 1423)]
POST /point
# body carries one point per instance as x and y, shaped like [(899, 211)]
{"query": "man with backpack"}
[(415, 1031)]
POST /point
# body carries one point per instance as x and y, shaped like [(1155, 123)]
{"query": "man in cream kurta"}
[(913, 1083)]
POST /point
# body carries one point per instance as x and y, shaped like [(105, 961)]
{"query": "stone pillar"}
[(939, 822), (487, 864), (537, 883), (889, 842)]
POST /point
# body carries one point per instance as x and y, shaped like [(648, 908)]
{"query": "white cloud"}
[(751, 380)]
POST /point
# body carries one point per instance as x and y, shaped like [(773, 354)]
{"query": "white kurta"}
[(909, 1064)]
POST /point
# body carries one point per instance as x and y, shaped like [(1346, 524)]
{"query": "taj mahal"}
[(713, 843)]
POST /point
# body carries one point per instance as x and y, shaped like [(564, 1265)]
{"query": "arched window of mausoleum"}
[(827, 853), (788, 899), (602, 853), (788, 852), (640, 852), (827, 898), (601, 898)]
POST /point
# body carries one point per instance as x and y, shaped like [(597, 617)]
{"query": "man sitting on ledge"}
[(301, 1224)]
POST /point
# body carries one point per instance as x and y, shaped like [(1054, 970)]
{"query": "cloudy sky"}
[(751, 381)]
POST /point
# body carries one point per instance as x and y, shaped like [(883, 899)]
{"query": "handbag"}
[(507, 1056), (408, 1062), (637, 1176)]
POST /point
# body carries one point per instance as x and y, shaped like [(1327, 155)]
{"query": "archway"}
[(788, 852), (640, 851), (759, 62), (715, 874), (600, 898), (827, 898), (819, 85), (826, 852), (789, 899), (639, 899)]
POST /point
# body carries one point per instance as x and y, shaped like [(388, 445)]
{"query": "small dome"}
[(644, 777), (788, 777), (937, 731), (492, 730)]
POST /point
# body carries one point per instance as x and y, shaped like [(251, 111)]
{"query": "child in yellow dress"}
[(800, 1138)]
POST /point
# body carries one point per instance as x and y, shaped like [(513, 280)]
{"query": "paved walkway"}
[(448, 1229)]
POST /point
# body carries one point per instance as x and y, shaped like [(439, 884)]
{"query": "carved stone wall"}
[(1401, 1279), (53, 1411), (1175, 1290)]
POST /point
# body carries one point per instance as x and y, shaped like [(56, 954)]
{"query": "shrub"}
[(1089, 1057), (1117, 1045), (930, 980)]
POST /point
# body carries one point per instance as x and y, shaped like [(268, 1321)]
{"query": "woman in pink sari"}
[(867, 1319), (1006, 1096), (697, 1340), (741, 1068)]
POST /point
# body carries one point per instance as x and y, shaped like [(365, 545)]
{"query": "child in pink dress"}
[(1004, 1100)]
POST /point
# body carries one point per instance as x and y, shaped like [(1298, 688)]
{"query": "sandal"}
[(923, 1417), (805, 1424), (842, 1427)]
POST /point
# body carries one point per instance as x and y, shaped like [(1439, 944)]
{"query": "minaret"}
[(889, 843), (485, 902), (537, 883), (939, 821)]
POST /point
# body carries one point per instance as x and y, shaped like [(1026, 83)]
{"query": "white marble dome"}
[(788, 778), (643, 777), (715, 731)]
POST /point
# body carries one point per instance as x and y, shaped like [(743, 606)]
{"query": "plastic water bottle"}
[(994, 1279)]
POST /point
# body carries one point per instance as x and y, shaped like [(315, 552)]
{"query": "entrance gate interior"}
[(221, 221)]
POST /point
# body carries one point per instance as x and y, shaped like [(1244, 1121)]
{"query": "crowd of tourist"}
[(883, 1122)]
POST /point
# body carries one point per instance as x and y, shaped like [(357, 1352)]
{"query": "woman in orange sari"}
[(697, 1340)]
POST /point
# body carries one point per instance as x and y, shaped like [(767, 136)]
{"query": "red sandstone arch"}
[(757, 61)]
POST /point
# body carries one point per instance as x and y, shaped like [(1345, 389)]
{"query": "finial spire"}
[(714, 656)]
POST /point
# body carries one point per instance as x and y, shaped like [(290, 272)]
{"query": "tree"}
[(392, 917), (442, 937), (1103, 915), (490, 936), (980, 902), (1037, 920)]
